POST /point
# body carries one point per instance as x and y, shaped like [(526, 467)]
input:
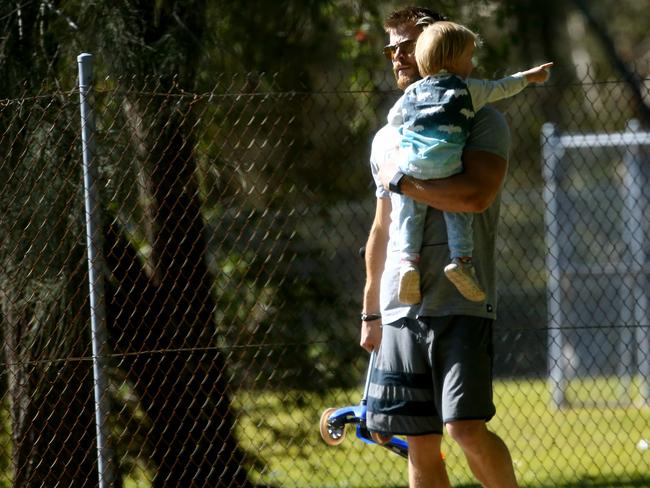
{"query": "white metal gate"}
[(597, 287)]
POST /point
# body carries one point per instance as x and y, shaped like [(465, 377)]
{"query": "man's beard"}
[(403, 81)]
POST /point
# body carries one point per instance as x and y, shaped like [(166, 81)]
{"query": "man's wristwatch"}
[(395, 183), (369, 317)]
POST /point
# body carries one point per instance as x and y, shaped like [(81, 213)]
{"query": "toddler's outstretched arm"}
[(538, 74)]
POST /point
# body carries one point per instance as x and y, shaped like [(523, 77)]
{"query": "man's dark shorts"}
[(429, 372)]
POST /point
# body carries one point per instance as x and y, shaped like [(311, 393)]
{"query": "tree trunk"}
[(51, 403), (169, 309), (44, 303), (632, 79)]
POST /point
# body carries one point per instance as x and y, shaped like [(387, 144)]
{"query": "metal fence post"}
[(633, 293), (637, 204), (95, 273), (552, 152)]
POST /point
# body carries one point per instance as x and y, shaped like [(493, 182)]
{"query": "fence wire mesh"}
[(231, 224)]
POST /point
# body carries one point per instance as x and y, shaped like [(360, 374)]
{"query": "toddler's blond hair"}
[(440, 45)]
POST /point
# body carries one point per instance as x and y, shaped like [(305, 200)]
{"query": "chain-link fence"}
[(229, 225)]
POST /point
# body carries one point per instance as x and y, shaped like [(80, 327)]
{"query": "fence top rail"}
[(631, 137), (605, 140)]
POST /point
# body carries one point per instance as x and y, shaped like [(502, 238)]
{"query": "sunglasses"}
[(406, 47)]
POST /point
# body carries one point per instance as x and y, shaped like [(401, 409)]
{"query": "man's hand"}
[(371, 335), (538, 74)]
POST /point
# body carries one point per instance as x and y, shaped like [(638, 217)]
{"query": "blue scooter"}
[(333, 422)]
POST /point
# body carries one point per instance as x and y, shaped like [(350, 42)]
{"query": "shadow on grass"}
[(608, 482), (588, 482), (641, 482)]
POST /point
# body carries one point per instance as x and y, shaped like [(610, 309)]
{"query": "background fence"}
[(231, 223)]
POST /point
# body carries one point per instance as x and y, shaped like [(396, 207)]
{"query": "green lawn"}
[(579, 447)]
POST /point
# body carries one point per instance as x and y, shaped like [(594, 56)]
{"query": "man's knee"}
[(467, 432)]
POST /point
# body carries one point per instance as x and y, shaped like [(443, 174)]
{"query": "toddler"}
[(434, 117)]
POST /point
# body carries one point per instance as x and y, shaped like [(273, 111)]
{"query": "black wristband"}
[(369, 317), (395, 183)]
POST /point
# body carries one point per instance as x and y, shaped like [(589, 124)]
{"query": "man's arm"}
[(473, 190), (375, 256)]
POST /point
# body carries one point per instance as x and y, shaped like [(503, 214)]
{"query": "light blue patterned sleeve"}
[(487, 91)]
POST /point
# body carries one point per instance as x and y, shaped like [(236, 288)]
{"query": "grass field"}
[(578, 447)]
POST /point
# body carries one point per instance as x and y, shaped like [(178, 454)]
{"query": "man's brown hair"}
[(411, 15)]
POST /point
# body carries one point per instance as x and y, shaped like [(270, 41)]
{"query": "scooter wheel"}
[(380, 438), (333, 436)]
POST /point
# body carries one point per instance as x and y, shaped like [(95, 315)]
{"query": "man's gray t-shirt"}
[(489, 133)]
